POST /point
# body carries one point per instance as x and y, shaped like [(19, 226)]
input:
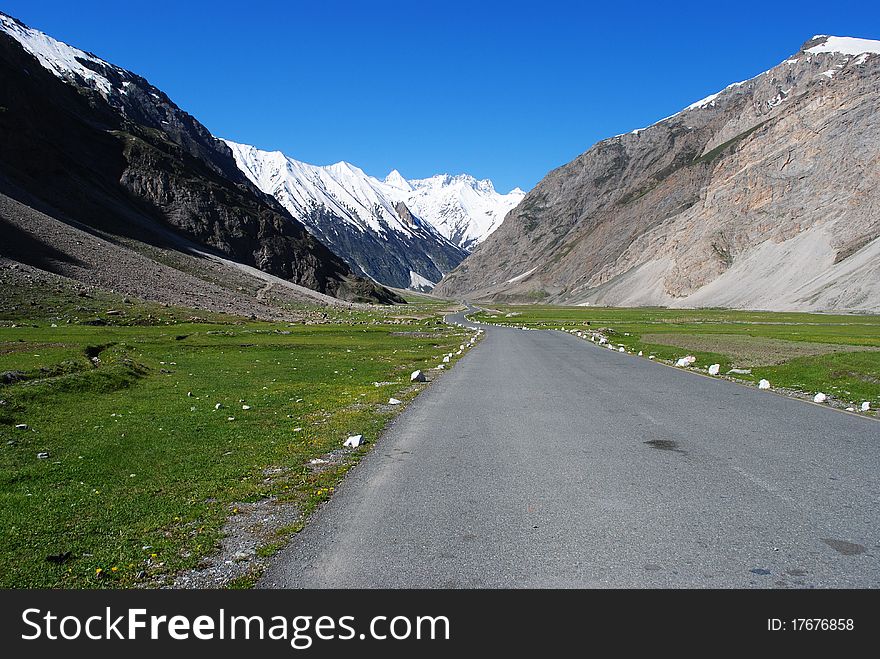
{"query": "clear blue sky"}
[(502, 90)]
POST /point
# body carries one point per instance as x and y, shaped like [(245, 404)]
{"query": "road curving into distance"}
[(542, 460)]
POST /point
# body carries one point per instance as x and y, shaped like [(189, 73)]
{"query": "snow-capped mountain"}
[(97, 144), (399, 232), (462, 208)]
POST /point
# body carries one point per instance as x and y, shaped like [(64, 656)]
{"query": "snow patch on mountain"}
[(845, 45), (59, 58), (419, 283)]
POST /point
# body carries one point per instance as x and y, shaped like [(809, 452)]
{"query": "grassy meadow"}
[(838, 355), (144, 428)]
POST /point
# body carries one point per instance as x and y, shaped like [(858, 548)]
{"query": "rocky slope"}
[(401, 233), (94, 146), (765, 195)]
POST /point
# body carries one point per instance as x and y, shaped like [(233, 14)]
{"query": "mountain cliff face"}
[(95, 145), (401, 233), (765, 195)]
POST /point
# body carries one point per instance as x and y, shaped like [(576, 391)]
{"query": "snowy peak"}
[(396, 180)]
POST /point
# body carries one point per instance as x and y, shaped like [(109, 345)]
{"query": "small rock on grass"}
[(43, 455), (21, 426), (866, 406), (764, 384), (353, 441), (393, 401), (820, 398), (714, 369), (417, 376)]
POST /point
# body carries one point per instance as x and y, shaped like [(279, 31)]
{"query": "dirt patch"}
[(750, 351), (249, 527)]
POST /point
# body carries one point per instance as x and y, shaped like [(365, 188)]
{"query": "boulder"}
[(621, 349), (714, 369), (417, 376), (353, 441), (764, 384), (820, 398), (866, 406), (446, 359)]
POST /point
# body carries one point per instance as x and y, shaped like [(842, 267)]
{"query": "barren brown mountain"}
[(765, 195)]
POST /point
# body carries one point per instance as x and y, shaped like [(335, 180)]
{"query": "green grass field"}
[(836, 354), (142, 468)]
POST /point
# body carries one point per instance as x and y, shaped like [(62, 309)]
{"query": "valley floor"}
[(148, 445), (134, 435)]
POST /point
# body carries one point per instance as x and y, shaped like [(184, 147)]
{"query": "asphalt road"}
[(530, 464)]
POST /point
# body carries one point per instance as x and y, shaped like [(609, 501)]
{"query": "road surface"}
[(542, 460)]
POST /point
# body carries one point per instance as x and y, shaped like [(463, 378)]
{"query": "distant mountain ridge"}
[(401, 233), (765, 195)]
